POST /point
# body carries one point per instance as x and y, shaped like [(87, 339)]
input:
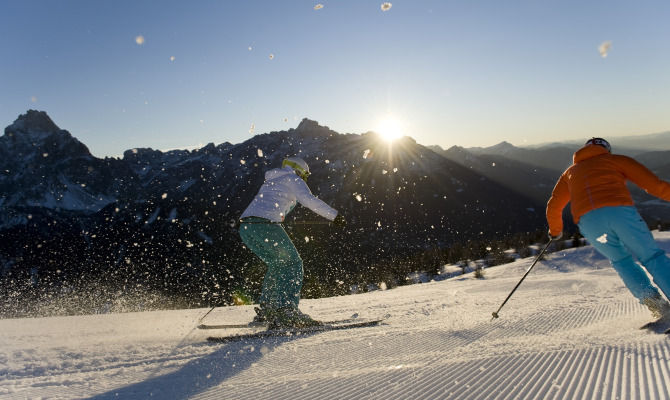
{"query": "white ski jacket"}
[(280, 192)]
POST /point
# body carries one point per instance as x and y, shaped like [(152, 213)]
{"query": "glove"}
[(560, 235), (339, 220)]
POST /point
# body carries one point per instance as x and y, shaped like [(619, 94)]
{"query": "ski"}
[(293, 331), (252, 325)]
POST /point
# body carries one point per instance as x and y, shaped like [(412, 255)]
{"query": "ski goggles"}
[(297, 168), (600, 142)]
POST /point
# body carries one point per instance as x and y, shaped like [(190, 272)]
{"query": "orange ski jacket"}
[(598, 179)]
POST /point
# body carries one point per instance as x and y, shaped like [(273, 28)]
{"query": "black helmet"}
[(600, 142)]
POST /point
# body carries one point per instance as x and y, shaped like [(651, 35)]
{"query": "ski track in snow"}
[(569, 332)]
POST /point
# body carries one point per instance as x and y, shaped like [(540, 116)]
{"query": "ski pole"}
[(495, 313)]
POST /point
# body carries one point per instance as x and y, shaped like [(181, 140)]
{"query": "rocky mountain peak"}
[(32, 122), (35, 135), (308, 126)]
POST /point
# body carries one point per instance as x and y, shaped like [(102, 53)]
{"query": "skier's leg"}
[(635, 235), (252, 236), (595, 226), (288, 271), (283, 279)]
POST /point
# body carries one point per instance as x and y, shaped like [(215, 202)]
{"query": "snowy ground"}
[(570, 331)]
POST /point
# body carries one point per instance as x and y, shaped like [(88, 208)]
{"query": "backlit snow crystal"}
[(602, 239), (386, 6), (139, 40), (318, 6), (604, 48)]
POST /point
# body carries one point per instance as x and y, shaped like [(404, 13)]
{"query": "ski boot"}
[(261, 317), (660, 309), (288, 318)]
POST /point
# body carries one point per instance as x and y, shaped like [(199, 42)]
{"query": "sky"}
[(176, 74)]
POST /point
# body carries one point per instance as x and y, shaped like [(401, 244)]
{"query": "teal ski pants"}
[(283, 279), (620, 234)]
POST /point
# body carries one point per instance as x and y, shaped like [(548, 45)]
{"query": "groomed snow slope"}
[(570, 331)]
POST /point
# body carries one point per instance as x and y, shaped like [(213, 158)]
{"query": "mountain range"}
[(165, 222)]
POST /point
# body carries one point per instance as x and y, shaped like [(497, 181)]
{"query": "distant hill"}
[(534, 170), (524, 178), (629, 145)]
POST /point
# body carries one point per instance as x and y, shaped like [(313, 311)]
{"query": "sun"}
[(389, 128)]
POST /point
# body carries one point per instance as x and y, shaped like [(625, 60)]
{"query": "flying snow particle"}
[(604, 48), (358, 197), (272, 56), (45, 155), (386, 6), (379, 224), (252, 128), (242, 162), (327, 161), (134, 151), (395, 169), (493, 164), (306, 239), (33, 99), (318, 6), (164, 196), (139, 40), (488, 248), (366, 153), (602, 239), (384, 172), (260, 153), (285, 119), (172, 58)]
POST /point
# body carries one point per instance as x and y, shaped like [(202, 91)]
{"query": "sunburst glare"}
[(390, 128)]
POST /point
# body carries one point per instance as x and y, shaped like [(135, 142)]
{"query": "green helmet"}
[(299, 166)]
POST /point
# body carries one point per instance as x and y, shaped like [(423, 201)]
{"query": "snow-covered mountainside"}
[(44, 166), (570, 331)]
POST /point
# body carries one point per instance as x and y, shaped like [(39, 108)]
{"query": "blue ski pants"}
[(283, 279), (620, 234)]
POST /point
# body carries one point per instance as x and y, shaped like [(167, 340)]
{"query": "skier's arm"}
[(307, 199), (559, 199), (644, 178)]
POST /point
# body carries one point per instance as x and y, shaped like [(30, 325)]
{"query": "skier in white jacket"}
[(261, 231)]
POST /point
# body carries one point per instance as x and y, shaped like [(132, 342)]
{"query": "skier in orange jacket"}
[(602, 207)]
